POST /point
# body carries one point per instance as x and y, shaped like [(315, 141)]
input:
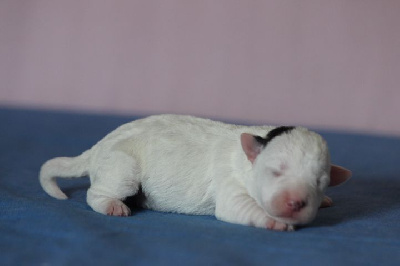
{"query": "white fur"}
[(191, 165)]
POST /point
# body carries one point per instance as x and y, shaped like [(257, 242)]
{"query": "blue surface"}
[(361, 229)]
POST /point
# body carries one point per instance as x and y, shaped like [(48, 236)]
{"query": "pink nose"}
[(296, 205)]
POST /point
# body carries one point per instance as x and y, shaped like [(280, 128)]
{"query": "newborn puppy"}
[(262, 176)]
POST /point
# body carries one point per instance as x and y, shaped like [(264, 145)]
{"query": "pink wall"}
[(333, 64)]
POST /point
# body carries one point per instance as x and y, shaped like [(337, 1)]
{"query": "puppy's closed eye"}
[(277, 173), (280, 172)]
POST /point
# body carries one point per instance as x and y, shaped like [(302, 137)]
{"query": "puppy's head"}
[(290, 171)]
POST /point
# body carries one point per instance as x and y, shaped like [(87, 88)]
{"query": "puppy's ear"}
[(251, 145), (339, 175)]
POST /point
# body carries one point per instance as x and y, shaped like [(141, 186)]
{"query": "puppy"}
[(263, 176)]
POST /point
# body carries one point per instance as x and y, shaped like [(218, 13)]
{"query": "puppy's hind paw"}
[(118, 208)]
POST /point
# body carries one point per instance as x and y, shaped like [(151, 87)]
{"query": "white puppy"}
[(261, 176)]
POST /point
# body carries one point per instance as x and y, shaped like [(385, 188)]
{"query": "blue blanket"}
[(362, 228)]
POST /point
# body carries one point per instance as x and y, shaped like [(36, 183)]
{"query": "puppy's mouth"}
[(292, 213), (296, 219)]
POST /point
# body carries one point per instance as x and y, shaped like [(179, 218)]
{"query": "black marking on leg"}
[(136, 202)]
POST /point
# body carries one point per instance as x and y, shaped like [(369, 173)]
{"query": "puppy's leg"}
[(238, 207), (114, 178), (100, 202)]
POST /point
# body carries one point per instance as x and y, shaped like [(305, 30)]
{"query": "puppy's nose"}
[(296, 205)]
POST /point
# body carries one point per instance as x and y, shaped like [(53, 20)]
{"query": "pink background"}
[(331, 64)]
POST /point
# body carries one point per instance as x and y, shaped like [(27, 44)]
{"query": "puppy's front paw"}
[(118, 208), (279, 226), (326, 202)]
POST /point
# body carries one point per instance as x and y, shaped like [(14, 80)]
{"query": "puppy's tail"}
[(64, 167)]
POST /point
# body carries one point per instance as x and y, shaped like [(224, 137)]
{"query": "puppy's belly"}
[(180, 198)]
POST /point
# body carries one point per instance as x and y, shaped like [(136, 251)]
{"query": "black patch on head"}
[(273, 133)]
